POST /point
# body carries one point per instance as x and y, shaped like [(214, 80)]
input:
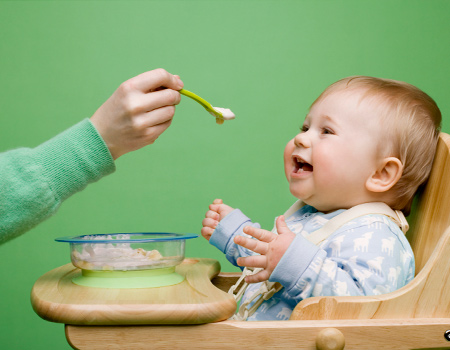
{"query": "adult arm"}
[(34, 182)]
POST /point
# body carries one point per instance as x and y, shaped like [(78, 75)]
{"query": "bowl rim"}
[(170, 236)]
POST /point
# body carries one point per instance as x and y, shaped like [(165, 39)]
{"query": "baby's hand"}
[(217, 211), (270, 246)]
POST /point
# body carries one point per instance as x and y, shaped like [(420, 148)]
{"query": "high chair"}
[(416, 316)]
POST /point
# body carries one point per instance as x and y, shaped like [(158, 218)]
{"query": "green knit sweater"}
[(34, 182)]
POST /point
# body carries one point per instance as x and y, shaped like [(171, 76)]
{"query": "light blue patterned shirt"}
[(369, 255)]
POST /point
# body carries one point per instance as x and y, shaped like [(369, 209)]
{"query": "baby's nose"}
[(302, 140)]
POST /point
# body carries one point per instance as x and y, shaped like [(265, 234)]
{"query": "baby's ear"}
[(386, 176)]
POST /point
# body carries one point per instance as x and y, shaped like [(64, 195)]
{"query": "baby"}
[(364, 140)]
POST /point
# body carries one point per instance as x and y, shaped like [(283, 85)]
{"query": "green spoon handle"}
[(218, 115), (197, 98)]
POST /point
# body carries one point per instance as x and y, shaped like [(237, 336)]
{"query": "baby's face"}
[(328, 163)]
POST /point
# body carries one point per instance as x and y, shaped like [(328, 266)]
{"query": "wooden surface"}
[(225, 280), (428, 294), (432, 216), (195, 300), (359, 335)]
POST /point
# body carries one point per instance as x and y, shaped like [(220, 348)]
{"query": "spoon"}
[(221, 114)]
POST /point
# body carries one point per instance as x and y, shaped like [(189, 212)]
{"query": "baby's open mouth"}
[(300, 165)]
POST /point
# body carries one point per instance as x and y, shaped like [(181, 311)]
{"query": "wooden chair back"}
[(431, 212)]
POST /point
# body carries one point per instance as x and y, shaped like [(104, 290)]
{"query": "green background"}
[(266, 60)]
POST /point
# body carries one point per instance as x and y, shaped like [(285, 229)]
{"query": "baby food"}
[(117, 256), (227, 113)]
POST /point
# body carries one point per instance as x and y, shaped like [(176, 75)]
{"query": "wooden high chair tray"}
[(195, 300)]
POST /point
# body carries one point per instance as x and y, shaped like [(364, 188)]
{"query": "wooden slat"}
[(360, 335), (432, 216)]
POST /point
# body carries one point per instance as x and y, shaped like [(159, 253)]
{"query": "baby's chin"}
[(320, 206), (301, 196)]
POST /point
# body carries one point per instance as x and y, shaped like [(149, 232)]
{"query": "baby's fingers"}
[(214, 207), (258, 233), (212, 214), (252, 244), (253, 261), (208, 222), (258, 277), (207, 232)]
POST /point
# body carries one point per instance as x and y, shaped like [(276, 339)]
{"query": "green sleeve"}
[(34, 182)]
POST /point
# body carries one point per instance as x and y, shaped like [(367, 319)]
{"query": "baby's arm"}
[(270, 247), (221, 224), (358, 261), (346, 264)]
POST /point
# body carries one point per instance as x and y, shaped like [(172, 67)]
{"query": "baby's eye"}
[(304, 128), (327, 131)]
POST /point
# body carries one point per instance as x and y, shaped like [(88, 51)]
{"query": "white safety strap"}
[(268, 289), (359, 210)]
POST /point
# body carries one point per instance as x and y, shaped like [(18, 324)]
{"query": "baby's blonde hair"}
[(411, 120)]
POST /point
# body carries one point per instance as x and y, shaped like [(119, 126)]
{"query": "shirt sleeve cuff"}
[(294, 262), (227, 228)]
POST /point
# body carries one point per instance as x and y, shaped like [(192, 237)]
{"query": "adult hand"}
[(270, 246), (138, 112)]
